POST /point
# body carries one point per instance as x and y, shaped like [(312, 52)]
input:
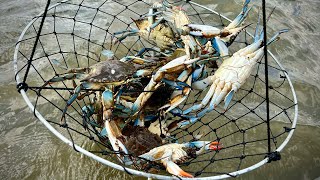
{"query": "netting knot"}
[(287, 129), (282, 77), (198, 173), (64, 125), (274, 156), (23, 86)]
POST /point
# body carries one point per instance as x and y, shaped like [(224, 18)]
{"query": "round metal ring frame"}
[(136, 172)]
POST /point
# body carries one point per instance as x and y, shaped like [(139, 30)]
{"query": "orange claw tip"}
[(215, 146), (174, 169), (185, 174), (214, 143)]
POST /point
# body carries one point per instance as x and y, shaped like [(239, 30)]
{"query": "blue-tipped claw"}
[(203, 41), (198, 72), (205, 111), (104, 132), (228, 99), (150, 118), (220, 47), (192, 108), (131, 32), (242, 16), (256, 32), (176, 112), (177, 84), (138, 122), (156, 23), (107, 95), (190, 120), (87, 112), (275, 37)]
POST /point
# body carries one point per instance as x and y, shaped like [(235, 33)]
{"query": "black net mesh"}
[(75, 33)]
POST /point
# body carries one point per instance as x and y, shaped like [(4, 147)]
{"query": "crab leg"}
[(131, 32), (134, 32), (76, 93), (144, 50), (199, 73), (68, 76), (110, 128), (136, 60), (87, 112), (241, 17), (220, 46)]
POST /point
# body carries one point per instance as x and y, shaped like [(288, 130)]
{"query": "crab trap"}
[(144, 83)]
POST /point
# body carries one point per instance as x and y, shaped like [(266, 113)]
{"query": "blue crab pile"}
[(139, 92)]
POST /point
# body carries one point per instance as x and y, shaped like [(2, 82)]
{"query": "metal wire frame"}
[(290, 130)]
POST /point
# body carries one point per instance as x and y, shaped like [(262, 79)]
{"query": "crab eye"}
[(113, 71)]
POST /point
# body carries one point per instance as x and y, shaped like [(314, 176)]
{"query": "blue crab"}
[(104, 76), (229, 77), (170, 155), (152, 29)]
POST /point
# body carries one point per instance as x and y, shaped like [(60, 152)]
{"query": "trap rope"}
[(258, 123)]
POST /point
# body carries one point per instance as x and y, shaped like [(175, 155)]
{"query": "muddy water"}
[(29, 151)]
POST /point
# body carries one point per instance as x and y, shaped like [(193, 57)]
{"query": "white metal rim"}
[(132, 171)]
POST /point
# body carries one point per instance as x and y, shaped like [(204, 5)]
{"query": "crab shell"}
[(140, 140), (111, 72), (162, 34)]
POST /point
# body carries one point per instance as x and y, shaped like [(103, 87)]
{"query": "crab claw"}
[(177, 100), (208, 145), (220, 46), (126, 33), (174, 169), (215, 145), (198, 73), (203, 30), (181, 97), (177, 84), (176, 112)]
